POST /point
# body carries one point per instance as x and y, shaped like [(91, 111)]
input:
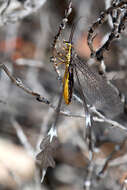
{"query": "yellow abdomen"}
[(66, 92)]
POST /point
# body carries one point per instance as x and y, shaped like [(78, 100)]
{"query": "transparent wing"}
[(97, 90)]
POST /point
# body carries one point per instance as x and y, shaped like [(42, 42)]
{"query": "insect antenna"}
[(73, 29)]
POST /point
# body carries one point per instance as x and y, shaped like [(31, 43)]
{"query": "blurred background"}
[(27, 30)]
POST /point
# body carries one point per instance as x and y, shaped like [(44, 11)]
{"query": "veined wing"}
[(97, 90)]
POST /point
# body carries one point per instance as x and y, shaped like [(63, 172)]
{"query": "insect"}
[(68, 80), (95, 89)]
